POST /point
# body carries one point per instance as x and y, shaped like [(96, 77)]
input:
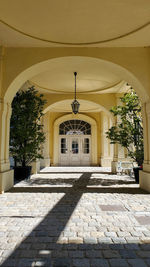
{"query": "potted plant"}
[(128, 132), (26, 130)]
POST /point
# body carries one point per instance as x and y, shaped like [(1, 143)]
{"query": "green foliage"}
[(129, 129), (26, 130)]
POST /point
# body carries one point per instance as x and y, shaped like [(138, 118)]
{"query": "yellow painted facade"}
[(31, 61), (108, 63)]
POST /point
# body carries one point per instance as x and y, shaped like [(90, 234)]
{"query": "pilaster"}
[(35, 166), (6, 175), (106, 148), (145, 174), (45, 162), (119, 151), (4, 135)]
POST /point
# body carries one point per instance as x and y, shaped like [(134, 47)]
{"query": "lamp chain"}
[(75, 74)]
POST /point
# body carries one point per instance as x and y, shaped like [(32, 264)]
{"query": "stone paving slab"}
[(144, 220), (70, 229), (112, 208)]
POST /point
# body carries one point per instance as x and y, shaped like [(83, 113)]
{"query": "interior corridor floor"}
[(75, 217)]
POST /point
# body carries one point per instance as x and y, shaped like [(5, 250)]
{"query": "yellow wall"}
[(105, 101), (21, 64)]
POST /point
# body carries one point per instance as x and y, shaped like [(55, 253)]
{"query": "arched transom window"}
[(74, 127)]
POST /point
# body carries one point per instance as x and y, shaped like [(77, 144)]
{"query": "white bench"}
[(125, 167)]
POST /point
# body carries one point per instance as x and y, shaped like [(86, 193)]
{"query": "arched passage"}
[(88, 109), (15, 81)]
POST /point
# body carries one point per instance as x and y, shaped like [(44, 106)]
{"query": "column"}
[(119, 151), (45, 162), (106, 148), (6, 175), (145, 174)]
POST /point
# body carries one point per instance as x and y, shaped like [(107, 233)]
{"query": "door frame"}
[(67, 156), (94, 159)]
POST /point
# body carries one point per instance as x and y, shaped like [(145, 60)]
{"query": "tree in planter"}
[(26, 130), (129, 130)]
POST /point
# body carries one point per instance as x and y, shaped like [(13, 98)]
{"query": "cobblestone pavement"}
[(75, 219)]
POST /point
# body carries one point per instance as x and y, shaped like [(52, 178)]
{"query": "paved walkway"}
[(75, 218)]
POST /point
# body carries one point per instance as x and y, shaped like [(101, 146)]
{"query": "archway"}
[(89, 109), (35, 69), (40, 67), (84, 118)]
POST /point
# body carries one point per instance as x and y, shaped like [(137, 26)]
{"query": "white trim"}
[(93, 135), (71, 159)]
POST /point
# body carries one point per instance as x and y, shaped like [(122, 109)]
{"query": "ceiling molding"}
[(77, 44), (78, 92), (68, 110)]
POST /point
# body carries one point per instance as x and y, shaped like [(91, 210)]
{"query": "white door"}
[(86, 151), (63, 151), (75, 150)]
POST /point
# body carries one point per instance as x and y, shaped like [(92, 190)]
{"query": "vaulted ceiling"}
[(93, 76), (80, 23)]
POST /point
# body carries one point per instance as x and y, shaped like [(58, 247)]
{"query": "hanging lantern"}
[(75, 104)]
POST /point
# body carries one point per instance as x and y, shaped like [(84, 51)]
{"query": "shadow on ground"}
[(43, 248), (71, 181)]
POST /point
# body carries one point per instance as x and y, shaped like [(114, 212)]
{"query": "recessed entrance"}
[(74, 143)]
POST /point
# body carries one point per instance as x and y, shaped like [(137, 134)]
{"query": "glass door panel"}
[(86, 146), (63, 146), (75, 146), (74, 151), (64, 153)]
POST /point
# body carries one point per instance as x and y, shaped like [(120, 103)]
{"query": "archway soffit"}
[(25, 75)]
